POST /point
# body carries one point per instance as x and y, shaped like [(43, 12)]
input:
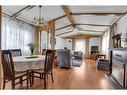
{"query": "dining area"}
[(21, 70)]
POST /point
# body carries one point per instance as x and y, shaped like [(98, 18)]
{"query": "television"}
[(94, 48)]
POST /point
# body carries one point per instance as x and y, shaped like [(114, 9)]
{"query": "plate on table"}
[(31, 57)]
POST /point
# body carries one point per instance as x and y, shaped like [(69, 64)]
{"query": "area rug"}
[(77, 63)]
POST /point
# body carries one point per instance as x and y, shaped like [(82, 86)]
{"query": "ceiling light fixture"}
[(39, 21), (75, 29)]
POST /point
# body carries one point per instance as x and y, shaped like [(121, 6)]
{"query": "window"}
[(16, 34), (45, 40), (105, 42), (80, 45)]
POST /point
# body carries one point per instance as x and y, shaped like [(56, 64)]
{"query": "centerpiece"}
[(124, 43), (32, 48)]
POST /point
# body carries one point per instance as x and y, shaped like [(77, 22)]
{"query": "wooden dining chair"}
[(16, 52), (9, 74), (43, 51), (48, 66)]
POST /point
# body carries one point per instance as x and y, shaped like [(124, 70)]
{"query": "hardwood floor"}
[(84, 77)]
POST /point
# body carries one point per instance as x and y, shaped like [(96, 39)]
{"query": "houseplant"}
[(32, 47)]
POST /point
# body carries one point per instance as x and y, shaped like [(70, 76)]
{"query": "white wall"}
[(68, 43), (95, 41), (59, 43), (122, 26)]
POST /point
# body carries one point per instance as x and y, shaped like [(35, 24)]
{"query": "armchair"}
[(64, 58), (78, 55)]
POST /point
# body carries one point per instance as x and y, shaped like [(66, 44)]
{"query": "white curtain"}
[(44, 39), (16, 34), (105, 42)]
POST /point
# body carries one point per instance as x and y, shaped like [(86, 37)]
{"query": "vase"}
[(32, 52)]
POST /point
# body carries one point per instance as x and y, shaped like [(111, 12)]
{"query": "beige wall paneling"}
[(73, 44), (52, 30), (37, 39), (87, 55)]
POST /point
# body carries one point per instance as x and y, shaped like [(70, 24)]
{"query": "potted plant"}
[(32, 48)]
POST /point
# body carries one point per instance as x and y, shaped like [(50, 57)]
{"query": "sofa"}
[(78, 55), (64, 58), (103, 64)]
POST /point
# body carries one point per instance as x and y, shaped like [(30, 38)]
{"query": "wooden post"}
[(101, 43), (52, 30), (73, 44), (48, 39), (37, 39), (0, 46), (87, 48)]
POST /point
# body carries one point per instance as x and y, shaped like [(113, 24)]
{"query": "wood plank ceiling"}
[(90, 21)]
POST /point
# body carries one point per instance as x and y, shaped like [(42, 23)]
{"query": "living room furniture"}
[(78, 55), (100, 55), (22, 63), (16, 52), (102, 64), (93, 54), (44, 51), (118, 66), (9, 73), (64, 58)]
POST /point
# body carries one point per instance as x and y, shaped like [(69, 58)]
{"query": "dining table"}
[(23, 63)]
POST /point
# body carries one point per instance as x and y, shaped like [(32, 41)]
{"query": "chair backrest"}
[(78, 53), (16, 52), (50, 54), (44, 51), (7, 64)]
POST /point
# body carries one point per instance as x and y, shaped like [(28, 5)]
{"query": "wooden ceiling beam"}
[(93, 25), (20, 11), (64, 33), (63, 27), (81, 36), (67, 13), (99, 14), (19, 19), (82, 24), (115, 22), (59, 17), (92, 30), (79, 32)]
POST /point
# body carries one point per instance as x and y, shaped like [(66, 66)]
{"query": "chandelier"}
[(39, 21)]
